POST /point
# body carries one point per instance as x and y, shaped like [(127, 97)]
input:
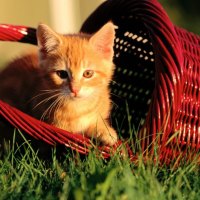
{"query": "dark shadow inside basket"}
[(134, 78)]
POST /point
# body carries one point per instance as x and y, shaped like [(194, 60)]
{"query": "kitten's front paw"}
[(108, 136)]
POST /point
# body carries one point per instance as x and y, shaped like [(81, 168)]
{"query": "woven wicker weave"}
[(156, 86)]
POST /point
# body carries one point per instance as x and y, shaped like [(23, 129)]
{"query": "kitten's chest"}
[(75, 117)]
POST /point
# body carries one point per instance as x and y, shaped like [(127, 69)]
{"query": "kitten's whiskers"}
[(44, 92), (46, 100), (51, 107), (115, 83)]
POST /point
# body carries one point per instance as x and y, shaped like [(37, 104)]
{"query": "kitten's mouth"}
[(74, 95)]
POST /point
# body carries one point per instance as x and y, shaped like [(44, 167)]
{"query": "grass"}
[(26, 176)]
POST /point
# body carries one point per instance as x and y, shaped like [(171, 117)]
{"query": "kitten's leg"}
[(103, 132)]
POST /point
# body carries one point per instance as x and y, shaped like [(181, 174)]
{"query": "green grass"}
[(25, 176)]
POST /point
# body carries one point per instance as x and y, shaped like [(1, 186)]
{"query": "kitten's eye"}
[(88, 73), (62, 74)]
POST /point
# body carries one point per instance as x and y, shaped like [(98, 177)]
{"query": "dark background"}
[(184, 13)]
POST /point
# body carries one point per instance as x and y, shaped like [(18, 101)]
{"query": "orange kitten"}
[(66, 84)]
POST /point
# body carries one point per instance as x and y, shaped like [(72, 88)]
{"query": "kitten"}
[(65, 83)]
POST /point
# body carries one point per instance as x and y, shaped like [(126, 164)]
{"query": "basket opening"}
[(134, 78)]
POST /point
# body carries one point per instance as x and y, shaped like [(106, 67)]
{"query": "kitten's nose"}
[(74, 89)]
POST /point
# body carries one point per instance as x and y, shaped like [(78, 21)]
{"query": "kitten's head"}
[(79, 65)]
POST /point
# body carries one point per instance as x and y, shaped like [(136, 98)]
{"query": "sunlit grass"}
[(25, 176)]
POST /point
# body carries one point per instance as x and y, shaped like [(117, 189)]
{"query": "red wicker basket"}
[(157, 81)]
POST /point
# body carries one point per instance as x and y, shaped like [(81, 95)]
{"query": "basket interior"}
[(134, 78)]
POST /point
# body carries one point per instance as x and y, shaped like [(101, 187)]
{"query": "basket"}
[(156, 86)]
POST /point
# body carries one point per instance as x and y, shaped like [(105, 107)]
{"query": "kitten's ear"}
[(48, 40), (103, 41)]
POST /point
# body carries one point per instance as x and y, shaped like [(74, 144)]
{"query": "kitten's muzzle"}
[(74, 90)]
